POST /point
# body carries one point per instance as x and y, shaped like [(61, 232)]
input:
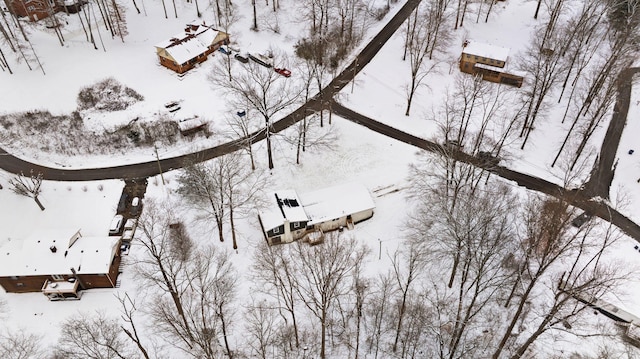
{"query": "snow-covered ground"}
[(358, 155)]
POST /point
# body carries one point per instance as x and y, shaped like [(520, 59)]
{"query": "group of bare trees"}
[(500, 274), (481, 272), (257, 96), (15, 37), (426, 35), (190, 288), (578, 54), (222, 190), (324, 281), (15, 31)]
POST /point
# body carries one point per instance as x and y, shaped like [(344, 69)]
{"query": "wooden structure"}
[(33, 9), (292, 217), (38, 262), (489, 62), (189, 126), (184, 51)]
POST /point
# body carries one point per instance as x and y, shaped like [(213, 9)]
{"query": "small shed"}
[(189, 126)]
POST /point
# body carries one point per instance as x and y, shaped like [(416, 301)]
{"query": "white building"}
[(291, 216)]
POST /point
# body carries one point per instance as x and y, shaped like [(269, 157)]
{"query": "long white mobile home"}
[(307, 216)]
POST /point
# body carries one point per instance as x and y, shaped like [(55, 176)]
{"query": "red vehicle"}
[(282, 71)]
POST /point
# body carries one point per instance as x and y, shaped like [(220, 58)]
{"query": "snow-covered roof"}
[(489, 67), (316, 206), (186, 49), (486, 50), (33, 255), (285, 204), (190, 124), (337, 201), (189, 44)]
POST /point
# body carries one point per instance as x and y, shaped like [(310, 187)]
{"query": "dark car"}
[(261, 60), (453, 144), (488, 158), (580, 220), (122, 204), (242, 58)]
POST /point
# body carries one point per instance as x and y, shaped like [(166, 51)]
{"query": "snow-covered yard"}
[(358, 155)]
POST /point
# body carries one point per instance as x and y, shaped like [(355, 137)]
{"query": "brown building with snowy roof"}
[(488, 61), (53, 262), (182, 52)]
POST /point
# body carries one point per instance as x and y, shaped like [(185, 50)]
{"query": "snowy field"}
[(379, 163)]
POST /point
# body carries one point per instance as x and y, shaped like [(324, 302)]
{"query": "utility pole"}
[(353, 77), (155, 147)]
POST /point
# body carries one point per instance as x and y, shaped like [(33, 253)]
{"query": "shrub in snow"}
[(107, 95)]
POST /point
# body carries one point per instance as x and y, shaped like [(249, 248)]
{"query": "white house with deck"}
[(307, 216)]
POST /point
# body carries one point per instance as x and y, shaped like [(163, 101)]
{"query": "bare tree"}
[(117, 14), (262, 326), (309, 135), (93, 336), (326, 270), (128, 310), (28, 186), (222, 189), (408, 264), (479, 230), (209, 302), (544, 62), (203, 186), (242, 188), (549, 240), (379, 302), (263, 90), (420, 44), (275, 270), (166, 250), (20, 344), (244, 126)]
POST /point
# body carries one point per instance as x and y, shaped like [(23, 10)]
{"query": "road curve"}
[(576, 198), (601, 177), (138, 170)]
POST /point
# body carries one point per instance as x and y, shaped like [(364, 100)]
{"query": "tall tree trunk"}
[(403, 308), (224, 331), (232, 223), (38, 202), (323, 335), (269, 153), (4, 61), (255, 16)]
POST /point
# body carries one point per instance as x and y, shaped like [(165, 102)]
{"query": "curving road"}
[(602, 175), (579, 199), (15, 165)]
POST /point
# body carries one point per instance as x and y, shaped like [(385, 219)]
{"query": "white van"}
[(116, 225)]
